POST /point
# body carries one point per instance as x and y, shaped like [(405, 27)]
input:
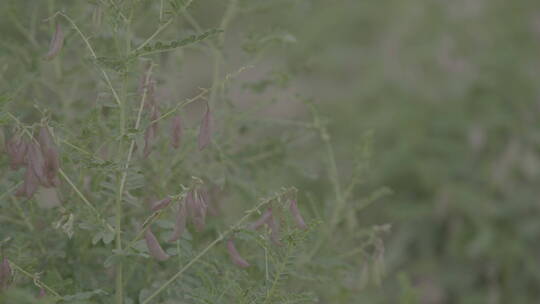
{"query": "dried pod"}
[(262, 220), (30, 185), (180, 224), (16, 148), (297, 216), (200, 211), (5, 274), (235, 256), (274, 230), (176, 131), (51, 157), (151, 132), (205, 131), (56, 43), (42, 293), (161, 204), (153, 246), (36, 163)]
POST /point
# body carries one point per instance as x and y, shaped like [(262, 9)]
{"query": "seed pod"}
[(297, 216), (205, 131), (161, 204), (200, 211), (176, 131), (274, 230), (262, 220), (30, 185), (36, 163), (51, 157), (56, 43), (235, 256), (16, 148), (180, 224), (5, 274), (153, 246), (151, 132), (42, 293)]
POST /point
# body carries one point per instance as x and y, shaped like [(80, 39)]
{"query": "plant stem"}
[(35, 279), (211, 245)]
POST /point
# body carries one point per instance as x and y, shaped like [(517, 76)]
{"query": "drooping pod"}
[(51, 157), (154, 247), (161, 204), (205, 130), (262, 220), (151, 132), (16, 148), (296, 215), (5, 274), (29, 186), (56, 44), (236, 258), (176, 132), (197, 209), (42, 293), (180, 223), (36, 163)]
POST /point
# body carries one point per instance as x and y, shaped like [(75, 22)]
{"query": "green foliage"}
[(108, 99)]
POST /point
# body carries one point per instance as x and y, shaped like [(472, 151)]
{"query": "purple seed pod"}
[(200, 211), (30, 185), (16, 148), (51, 157), (42, 293), (161, 204), (180, 224), (153, 246), (5, 274), (274, 230), (36, 162), (297, 216), (205, 131), (56, 43), (235, 256), (267, 215), (151, 132), (176, 131)]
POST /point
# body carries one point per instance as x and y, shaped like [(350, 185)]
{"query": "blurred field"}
[(450, 90)]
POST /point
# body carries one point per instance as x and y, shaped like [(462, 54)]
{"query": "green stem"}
[(211, 245)]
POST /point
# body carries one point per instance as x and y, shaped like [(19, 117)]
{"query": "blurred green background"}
[(450, 90)]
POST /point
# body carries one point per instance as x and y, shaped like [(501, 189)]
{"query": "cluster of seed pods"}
[(40, 158), (267, 218), (152, 107), (194, 208)]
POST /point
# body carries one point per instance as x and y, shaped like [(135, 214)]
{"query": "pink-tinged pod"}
[(36, 163), (5, 274), (56, 43), (205, 131), (262, 220), (51, 157), (153, 246), (235, 256), (199, 218), (151, 132), (274, 230), (180, 224), (176, 132), (29, 186), (161, 204), (16, 148), (296, 215), (42, 293)]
